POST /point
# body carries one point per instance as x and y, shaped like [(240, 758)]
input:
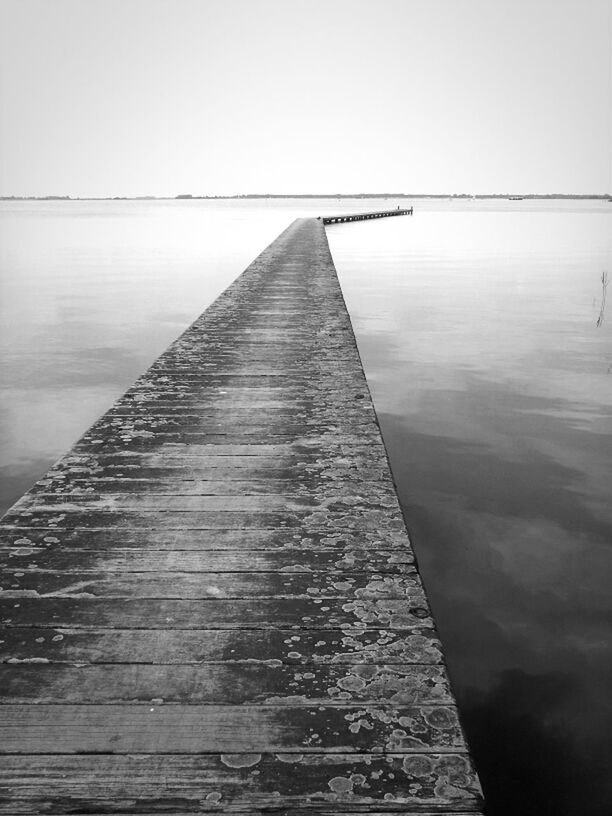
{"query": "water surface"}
[(477, 324)]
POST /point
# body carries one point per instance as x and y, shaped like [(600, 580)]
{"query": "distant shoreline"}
[(251, 196)]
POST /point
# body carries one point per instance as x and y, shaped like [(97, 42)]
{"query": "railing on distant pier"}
[(337, 219)]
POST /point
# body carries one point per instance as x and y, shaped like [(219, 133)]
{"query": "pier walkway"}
[(210, 604), (339, 219)]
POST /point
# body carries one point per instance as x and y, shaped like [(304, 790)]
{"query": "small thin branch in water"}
[(604, 287)]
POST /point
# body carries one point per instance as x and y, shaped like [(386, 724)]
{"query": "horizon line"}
[(189, 196)]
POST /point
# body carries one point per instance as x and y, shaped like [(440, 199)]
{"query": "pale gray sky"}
[(131, 97)]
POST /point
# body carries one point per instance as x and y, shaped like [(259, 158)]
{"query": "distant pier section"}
[(211, 604), (341, 219)]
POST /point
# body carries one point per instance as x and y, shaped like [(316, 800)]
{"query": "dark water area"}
[(493, 385), (489, 358)]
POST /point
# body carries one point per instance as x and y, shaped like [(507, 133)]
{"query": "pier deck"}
[(211, 603), (364, 216)]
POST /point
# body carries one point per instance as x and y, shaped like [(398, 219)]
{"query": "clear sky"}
[(135, 97)]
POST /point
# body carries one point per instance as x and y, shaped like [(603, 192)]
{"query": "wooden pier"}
[(210, 604), (340, 219)]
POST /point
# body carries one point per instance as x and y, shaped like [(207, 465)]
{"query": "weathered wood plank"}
[(280, 383), (77, 612), (230, 393), (255, 403), (216, 468), (73, 560), (339, 445), (128, 437), (201, 585), (236, 683), (305, 521), (345, 444), (299, 810), (137, 464), (254, 502), (309, 783), (302, 455), (266, 371), (341, 541), (144, 728), (81, 487), (248, 413), (24, 644), (286, 446)]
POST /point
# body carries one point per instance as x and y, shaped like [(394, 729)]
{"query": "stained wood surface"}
[(211, 604)]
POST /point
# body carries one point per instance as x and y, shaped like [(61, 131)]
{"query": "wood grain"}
[(195, 729), (306, 647), (296, 783)]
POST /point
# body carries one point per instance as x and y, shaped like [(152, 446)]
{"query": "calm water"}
[(477, 327), (493, 383)]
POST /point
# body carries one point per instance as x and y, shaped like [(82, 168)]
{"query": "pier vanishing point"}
[(210, 604)]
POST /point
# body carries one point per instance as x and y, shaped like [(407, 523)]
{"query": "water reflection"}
[(478, 334), (544, 759)]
